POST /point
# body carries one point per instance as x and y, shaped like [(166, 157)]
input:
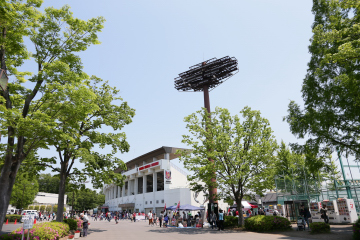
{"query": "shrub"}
[(230, 221), (71, 222), (356, 229), (12, 218), (48, 209), (42, 208), (31, 207), (55, 207), (262, 223), (41, 231), (319, 227), (37, 207), (79, 222)]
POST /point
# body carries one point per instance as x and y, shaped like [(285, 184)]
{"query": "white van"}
[(12, 210), (33, 213)]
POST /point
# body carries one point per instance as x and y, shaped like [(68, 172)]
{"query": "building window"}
[(160, 181), (145, 202), (126, 188), (150, 202), (157, 201), (117, 191), (162, 201), (120, 191), (149, 183), (140, 185)]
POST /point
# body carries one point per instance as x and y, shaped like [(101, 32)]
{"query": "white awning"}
[(245, 204)]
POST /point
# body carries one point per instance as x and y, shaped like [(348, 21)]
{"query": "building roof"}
[(155, 153)]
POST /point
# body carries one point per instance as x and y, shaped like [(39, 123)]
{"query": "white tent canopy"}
[(245, 205)]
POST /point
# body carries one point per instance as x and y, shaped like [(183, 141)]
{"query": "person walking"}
[(213, 219), (221, 220), (134, 216), (307, 215), (166, 220), (161, 218), (155, 219), (150, 217), (85, 223), (324, 215)]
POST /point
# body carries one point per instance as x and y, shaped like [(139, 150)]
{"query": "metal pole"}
[(348, 191), (212, 190), (357, 199)]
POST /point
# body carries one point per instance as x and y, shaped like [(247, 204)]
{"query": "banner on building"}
[(168, 176)]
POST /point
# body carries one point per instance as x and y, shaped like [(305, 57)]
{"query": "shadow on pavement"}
[(95, 230), (191, 231)]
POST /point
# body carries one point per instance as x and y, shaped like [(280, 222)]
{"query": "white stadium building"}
[(152, 181)]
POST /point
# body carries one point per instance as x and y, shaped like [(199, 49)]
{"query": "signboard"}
[(147, 166), (168, 176), (28, 223)]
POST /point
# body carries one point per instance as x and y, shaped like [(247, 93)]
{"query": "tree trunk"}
[(63, 176), (239, 209), (7, 181)]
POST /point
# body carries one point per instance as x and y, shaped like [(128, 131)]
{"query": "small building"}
[(48, 200), (43, 198), (152, 181)]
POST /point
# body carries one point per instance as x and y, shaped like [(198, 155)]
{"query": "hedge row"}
[(230, 221), (356, 229), (12, 217), (319, 227), (262, 223)]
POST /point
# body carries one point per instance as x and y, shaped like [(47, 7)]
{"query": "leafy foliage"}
[(262, 223), (230, 221), (242, 150), (331, 87), (293, 166), (356, 230), (29, 113), (71, 222), (86, 199), (48, 208), (319, 227), (47, 230), (24, 191), (48, 183), (12, 217)]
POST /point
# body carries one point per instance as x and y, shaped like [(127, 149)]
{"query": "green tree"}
[(302, 173), (243, 153), (48, 183), (24, 120), (77, 134), (24, 191), (48, 209), (86, 199), (330, 90), (42, 208)]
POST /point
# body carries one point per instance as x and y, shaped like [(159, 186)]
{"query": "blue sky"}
[(146, 44)]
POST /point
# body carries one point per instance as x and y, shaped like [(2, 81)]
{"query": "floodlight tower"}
[(206, 76)]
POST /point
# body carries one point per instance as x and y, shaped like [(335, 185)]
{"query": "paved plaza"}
[(141, 230)]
